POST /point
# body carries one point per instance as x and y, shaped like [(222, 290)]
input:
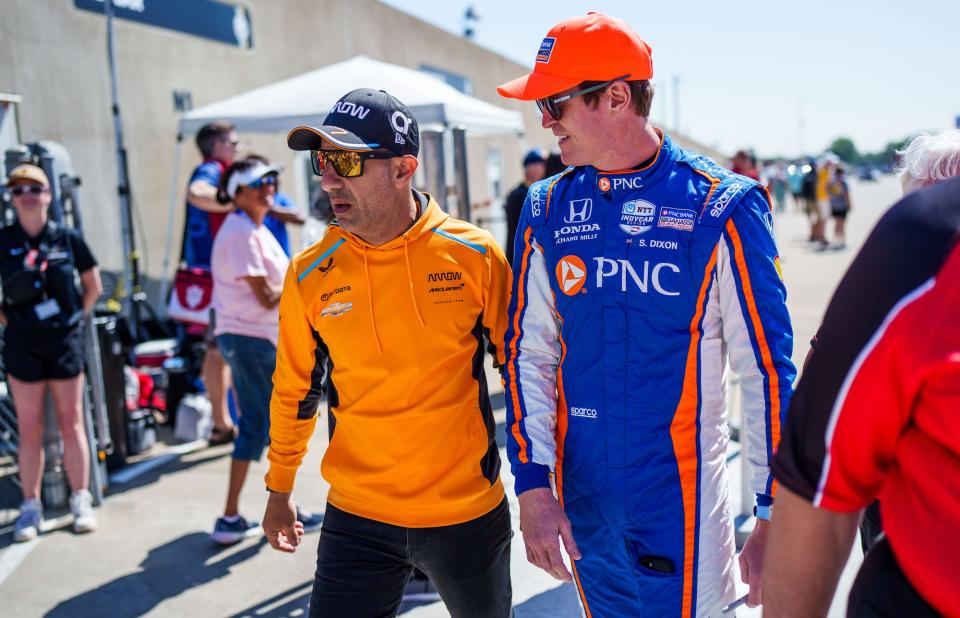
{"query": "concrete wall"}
[(54, 56)]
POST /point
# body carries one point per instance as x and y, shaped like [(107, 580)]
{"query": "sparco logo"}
[(329, 295), (451, 276), (643, 280), (584, 412), (535, 200), (580, 211), (724, 200), (627, 183), (350, 109)]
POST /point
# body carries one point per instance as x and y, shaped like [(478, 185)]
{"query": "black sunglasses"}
[(32, 189), (551, 105), (347, 163)]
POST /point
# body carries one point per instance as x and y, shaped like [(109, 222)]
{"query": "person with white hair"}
[(928, 159)]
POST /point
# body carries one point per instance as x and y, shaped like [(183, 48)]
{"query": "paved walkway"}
[(152, 555)]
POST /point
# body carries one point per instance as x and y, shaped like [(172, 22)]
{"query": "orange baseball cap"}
[(594, 47)]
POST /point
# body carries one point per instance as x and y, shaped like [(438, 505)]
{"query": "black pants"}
[(881, 590), (363, 565)]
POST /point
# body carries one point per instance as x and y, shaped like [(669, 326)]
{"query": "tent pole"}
[(171, 213), (461, 173), (131, 279)]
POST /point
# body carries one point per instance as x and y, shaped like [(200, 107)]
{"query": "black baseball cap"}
[(363, 120)]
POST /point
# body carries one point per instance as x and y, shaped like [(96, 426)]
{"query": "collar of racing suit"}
[(430, 217), (647, 172)]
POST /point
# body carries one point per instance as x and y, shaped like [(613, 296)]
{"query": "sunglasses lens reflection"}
[(347, 164)]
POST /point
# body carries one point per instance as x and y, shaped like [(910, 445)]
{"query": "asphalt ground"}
[(152, 555)]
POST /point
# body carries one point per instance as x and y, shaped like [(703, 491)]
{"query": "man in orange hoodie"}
[(388, 314)]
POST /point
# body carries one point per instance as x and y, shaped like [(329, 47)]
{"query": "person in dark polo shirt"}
[(534, 169), (43, 307)]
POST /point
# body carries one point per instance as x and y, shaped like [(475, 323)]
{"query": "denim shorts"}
[(252, 361)]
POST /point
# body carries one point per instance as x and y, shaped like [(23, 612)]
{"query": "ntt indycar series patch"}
[(631, 293)]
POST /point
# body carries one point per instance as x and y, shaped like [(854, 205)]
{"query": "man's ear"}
[(405, 170), (620, 96)]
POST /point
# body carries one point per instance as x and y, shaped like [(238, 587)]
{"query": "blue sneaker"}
[(230, 532), (30, 521), (311, 521)]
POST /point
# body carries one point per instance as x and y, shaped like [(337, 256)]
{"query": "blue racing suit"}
[(632, 291)]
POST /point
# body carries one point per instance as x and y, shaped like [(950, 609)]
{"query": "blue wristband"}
[(763, 512)]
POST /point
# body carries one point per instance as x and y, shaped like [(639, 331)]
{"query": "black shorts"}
[(32, 355), (839, 213)]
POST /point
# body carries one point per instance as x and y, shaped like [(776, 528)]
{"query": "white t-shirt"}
[(240, 250)]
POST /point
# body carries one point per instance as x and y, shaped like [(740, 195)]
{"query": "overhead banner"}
[(208, 19)]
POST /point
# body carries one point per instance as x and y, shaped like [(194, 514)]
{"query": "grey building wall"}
[(54, 56)]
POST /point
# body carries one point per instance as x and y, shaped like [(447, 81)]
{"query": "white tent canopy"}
[(306, 99)]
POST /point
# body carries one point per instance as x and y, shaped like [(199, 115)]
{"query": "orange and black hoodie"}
[(394, 333)]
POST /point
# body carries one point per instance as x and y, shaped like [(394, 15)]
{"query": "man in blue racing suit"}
[(639, 273)]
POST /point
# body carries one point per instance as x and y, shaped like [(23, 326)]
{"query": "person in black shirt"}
[(43, 342), (534, 169)]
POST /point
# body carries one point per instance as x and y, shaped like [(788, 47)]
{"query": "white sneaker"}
[(28, 524), (81, 505)]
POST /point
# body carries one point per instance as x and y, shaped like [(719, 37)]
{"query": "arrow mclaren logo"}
[(571, 274), (445, 276)]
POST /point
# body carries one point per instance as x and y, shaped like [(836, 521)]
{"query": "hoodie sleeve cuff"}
[(764, 500), (280, 479), (530, 476)]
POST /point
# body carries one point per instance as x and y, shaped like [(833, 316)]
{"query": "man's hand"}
[(542, 520), (280, 524), (751, 561)]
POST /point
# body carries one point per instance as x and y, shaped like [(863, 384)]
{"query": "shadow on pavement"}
[(292, 602), (559, 602), (165, 574), (179, 464)]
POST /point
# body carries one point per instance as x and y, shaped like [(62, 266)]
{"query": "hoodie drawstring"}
[(413, 297), (373, 321)]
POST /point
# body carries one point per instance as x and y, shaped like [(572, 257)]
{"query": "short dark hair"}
[(209, 133), (641, 91)]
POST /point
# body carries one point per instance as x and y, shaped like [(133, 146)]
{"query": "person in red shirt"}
[(875, 415)]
